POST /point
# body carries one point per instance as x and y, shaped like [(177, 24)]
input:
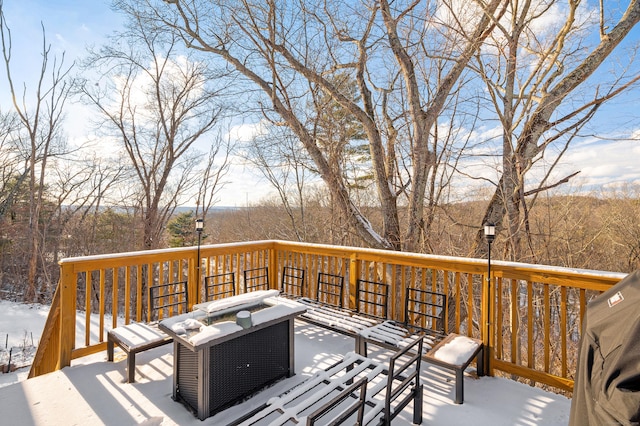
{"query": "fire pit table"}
[(228, 349)]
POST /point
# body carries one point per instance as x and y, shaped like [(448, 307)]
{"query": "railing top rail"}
[(500, 268), (589, 279), (145, 256), (376, 254), (159, 251)]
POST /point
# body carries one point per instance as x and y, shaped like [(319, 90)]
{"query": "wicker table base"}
[(214, 378)]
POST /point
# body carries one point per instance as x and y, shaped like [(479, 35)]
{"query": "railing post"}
[(273, 268), (354, 274), (68, 297), (193, 280)]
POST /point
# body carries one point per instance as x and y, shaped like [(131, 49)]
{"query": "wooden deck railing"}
[(533, 333)]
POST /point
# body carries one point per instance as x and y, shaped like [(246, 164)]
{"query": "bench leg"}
[(459, 386), (361, 345), (109, 348), (480, 363), (417, 405), (131, 367)]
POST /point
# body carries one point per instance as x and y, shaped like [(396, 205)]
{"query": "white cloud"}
[(245, 187), (247, 131), (604, 163)]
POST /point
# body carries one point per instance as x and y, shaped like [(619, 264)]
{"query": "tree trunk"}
[(504, 207)]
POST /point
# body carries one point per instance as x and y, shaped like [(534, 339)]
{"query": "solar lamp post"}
[(199, 229), (490, 235)]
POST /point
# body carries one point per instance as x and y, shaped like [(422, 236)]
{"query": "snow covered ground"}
[(93, 391), (20, 329)]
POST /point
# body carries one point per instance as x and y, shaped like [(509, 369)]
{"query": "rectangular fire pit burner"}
[(218, 363)]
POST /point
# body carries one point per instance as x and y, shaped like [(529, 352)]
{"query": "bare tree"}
[(289, 50), (281, 160), (410, 61), (81, 189), (157, 102), (212, 175), (12, 175), (38, 139), (531, 77)]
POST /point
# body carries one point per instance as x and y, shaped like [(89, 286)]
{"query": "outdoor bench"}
[(422, 311), (166, 299), (327, 310), (381, 392)]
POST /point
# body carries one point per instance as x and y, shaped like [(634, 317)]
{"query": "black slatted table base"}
[(237, 368), (188, 378), (244, 365)]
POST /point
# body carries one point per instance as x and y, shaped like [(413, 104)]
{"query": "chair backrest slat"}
[(219, 286), (346, 414), (256, 279), (424, 310), (404, 371), (372, 298), (292, 281), (330, 289), (168, 299)]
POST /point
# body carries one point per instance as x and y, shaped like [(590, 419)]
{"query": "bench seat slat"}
[(137, 335), (326, 309), (345, 321)]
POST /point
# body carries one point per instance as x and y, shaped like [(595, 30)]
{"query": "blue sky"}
[(70, 25), (73, 25)]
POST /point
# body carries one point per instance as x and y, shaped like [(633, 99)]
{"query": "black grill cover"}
[(607, 384)]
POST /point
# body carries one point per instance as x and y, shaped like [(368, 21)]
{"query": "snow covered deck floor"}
[(93, 391)]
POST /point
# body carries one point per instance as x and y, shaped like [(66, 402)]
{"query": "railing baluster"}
[(87, 307), (458, 300), (515, 318), (547, 328), (470, 301), (127, 296), (530, 326), (498, 352), (139, 293), (563, 327), (101, 308), (114, 298)]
